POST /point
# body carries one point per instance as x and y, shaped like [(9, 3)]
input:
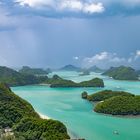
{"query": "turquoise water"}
[(66, 105)]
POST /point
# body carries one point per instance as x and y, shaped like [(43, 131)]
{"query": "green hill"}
[(105, 94), (122, 73), (70, 68), (33, 71), (25, 123), (57, 81), (114, 102), (14, 78), (95, 69), (119, 105)]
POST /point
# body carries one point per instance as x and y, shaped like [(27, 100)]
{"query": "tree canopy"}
[(122, 73), (19, 115), (119, 105)]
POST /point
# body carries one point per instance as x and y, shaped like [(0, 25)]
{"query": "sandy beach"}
[(43, 116)]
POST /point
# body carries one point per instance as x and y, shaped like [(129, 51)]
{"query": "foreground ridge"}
[(19, 120)]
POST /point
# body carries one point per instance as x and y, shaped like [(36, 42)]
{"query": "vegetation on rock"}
[(105, 94), (114, 102), (57, 81), (122, 73), (84, 95), (26, 124), (119, 105), (70, 68), (95, 69), (33, 71), (14, 78)]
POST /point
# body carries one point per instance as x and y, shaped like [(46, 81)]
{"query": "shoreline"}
[(117, 116), (111, 115), (71, 134), (120, 116), (42, 116)]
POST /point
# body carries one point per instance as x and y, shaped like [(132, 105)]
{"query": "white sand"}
[(43, 116)]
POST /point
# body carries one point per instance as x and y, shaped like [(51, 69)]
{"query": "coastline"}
[(120, 116), (42, 116), (71, 134)]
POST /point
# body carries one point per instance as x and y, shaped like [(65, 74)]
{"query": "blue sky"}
[(52, 33)]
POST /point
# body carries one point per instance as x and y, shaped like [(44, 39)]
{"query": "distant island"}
[(34, 71), (95, 69), (57, 81), (84, 73), (114, 102), (70, 68), (18, 120), (122, 73), (79, 69), (14, 78)]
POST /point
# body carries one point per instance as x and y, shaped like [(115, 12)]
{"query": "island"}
[(70, 68), (95, 69), (114, 102), (84, 73), (18, 120), (106, 94), (34, 71), (57, 81), (84, 95), (14, 78), (119, 105), (122, 73)]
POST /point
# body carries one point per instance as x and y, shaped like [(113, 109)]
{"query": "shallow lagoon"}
[(66, 105)]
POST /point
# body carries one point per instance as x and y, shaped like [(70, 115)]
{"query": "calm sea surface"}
[(66, 105)]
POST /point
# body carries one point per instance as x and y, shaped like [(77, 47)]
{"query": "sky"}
[(53, 33)]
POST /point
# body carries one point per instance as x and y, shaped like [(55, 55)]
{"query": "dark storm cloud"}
[(45, 37)]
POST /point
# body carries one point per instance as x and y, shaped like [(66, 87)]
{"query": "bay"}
[(66, 105)]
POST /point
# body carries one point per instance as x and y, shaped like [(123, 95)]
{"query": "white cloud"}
[(97, 57), (71, 5), (34, 3), (137, 55), (138, 52), (67, 5), (104, 59), (94, 8), (76, 58)]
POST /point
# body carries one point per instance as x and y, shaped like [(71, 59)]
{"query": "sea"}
[(67, 106)]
